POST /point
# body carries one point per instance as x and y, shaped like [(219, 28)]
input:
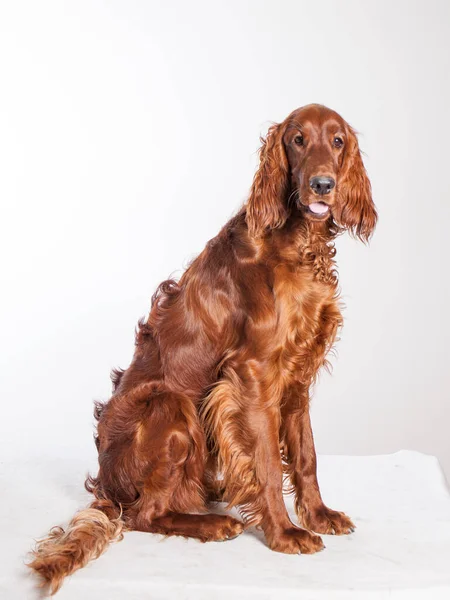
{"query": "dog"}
[(215, 404)]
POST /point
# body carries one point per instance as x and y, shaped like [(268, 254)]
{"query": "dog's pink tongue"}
[(320, 208)]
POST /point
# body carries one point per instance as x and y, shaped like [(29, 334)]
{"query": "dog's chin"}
[(317, 211)]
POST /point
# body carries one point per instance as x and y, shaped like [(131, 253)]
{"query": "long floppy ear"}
[(358, 213), (267, 206)]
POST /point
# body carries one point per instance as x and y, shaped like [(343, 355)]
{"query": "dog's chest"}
[(307, 320)]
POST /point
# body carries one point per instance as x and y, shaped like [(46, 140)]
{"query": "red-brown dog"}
[(220, 379)]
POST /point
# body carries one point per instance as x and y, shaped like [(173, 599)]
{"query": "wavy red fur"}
[(222, 369)]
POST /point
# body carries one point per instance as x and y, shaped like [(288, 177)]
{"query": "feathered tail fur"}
[(86, 537)]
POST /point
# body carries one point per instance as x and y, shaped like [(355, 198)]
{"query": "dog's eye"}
[(338, 142), (298, 140)]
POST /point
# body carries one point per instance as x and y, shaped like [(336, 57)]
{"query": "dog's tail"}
[(86, 537)]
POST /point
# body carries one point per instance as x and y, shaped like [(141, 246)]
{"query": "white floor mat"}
[(400, 550)]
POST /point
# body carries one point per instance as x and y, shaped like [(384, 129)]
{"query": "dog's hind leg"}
[(206, 528)]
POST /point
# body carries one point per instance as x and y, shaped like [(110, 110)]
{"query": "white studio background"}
[(128, 137)]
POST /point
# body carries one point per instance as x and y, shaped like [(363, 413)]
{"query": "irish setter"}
[(215, 403)]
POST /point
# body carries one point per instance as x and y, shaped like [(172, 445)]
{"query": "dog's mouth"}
[(319, 210)]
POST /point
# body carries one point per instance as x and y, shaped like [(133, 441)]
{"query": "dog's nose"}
[(322, 185)]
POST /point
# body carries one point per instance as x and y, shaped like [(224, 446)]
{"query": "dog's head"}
[(311, 162)]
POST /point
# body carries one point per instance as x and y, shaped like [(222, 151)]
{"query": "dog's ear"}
[(356, 211), (267, 203)]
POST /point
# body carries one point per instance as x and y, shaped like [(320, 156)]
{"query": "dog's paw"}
[(296, 541), (230, 529), (326, 521)]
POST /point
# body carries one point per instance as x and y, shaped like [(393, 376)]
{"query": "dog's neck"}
[(299, 241), (318, 251), (313, 243)]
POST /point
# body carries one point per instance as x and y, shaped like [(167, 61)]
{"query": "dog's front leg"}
[(245, 428), (301, 465)]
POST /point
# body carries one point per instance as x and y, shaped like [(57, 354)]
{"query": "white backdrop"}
[(128, 132)]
